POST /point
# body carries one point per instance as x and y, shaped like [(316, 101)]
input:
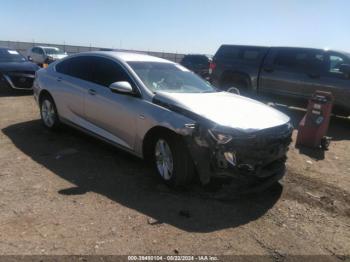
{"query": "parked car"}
[(198, 64), (284, 71), (16, 72), (45, 54), (160, 111)]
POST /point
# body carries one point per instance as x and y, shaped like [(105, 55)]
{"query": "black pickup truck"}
[(283, 71)]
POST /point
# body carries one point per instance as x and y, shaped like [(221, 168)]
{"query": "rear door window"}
[(300, 60), (317, 61), (78, 67), (250, 55), (287, 58), (37, 50), (63, 67), (243, 53)]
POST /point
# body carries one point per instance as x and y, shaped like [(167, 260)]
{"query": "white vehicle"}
[(45, 54)]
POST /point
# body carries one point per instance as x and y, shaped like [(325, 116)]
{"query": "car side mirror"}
[(345, 69), (122, 87), (234, 90)]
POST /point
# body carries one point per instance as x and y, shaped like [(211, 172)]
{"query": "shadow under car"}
[(93, 166)]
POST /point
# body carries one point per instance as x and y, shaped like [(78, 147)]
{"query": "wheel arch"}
[(42, 94), (235, 75), (151, 135)]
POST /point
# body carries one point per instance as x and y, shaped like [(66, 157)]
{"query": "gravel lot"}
[(67, 193)]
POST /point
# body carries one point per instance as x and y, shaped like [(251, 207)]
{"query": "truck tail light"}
[(212, 67)]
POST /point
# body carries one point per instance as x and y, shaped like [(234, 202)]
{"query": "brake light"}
[(212, 67)]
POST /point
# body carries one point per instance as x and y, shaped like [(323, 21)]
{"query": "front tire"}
[(172, 161), (48, 113)]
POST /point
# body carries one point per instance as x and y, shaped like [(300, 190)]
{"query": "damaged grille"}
[(262, 153)]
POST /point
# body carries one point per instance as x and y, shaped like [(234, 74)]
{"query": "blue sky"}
[(190, 26)]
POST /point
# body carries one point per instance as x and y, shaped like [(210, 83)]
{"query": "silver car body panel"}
[(121, 119), (124, 120), (229, 110)]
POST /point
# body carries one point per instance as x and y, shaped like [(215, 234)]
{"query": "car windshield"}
[(347, 54), (7, 55), (170, 77), (53, 51)]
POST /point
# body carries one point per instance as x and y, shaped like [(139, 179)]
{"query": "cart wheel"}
[(325, 141)]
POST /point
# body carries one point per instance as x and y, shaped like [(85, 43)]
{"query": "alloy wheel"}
[(48, 113), (164, 159)]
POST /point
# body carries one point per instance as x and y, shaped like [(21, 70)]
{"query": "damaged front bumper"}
[(17, 80), (254, 157)]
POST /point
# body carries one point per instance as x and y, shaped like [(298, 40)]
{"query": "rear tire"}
[(172, 161), (48, 113), (238, 81)]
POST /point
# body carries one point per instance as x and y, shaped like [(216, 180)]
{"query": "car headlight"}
[(220, 137), (290, 126)]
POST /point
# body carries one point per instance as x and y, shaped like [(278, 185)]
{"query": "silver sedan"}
[(160, 111)]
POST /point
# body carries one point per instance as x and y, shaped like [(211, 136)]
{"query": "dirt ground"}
[(67, 193)]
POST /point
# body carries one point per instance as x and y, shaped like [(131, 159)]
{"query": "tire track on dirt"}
[(314, 192)]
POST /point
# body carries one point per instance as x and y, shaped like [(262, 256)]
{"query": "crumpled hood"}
[(226, 109), (18, 66)]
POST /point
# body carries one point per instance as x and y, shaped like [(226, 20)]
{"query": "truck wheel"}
[(325, 142), (237, 81), (172, 161)]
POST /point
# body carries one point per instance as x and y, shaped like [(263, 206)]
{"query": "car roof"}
[(243, 46), (196, 55), (46, 47), (128, 56), (189, 56), (9, 49), (281, 47), (6, 48)]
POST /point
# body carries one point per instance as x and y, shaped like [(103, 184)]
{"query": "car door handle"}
[(92, 92), (59, 79)]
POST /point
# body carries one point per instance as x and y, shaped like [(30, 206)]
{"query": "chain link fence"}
[(22, 47)]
